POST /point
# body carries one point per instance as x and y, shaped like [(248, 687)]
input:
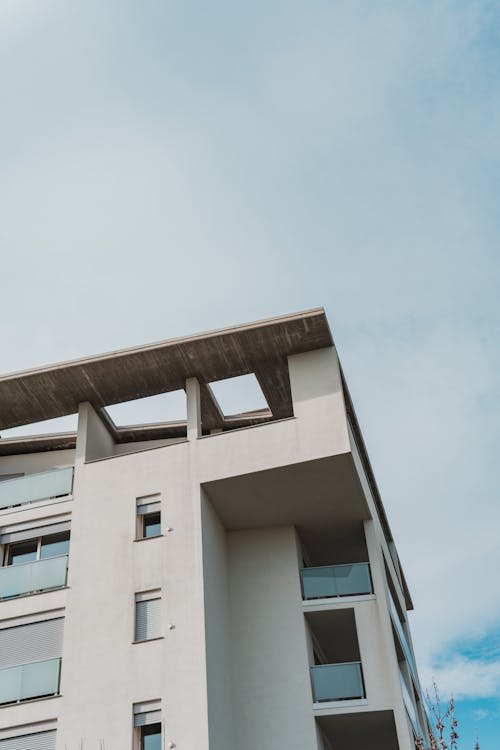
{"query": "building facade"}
[(228, 582)]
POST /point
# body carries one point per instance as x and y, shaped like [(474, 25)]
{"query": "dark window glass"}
[(152, 524), (22, 552), (54, 545), (151, 737)]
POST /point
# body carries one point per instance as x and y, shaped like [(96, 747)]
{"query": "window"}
[(34, 560), (151, 737), (148, 510), (151, 524), (52, 545), (147, 726), (147, 615), (30, 660), (22, 552)]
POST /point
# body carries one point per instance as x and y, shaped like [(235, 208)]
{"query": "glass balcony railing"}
[(337, 682), (33, 487), (410, 707), (336, 580), (34, 680), (26, 578), (402, 636)]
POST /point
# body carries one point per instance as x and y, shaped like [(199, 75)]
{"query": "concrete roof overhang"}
[(127, 374), (323, 499)]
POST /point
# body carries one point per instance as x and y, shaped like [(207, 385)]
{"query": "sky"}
[(171, 167)]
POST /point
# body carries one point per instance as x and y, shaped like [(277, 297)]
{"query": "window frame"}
[(147, 596), (141, 515), (139, 725), (38, 540)]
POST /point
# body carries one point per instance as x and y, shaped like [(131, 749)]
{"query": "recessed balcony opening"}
[(364, 729), (347, 572), (336, 545), (336, 672)]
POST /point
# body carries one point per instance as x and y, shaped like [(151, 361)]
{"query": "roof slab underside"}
[(261, 348), (323, 499)]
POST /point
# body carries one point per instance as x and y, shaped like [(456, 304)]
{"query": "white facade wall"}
[(231, 668), (271, 684)]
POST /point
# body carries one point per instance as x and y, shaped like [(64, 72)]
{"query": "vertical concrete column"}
[(193, 408), (93, 438), (380, 587)]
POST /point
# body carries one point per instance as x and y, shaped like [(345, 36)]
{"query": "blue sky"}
[(169, 167)]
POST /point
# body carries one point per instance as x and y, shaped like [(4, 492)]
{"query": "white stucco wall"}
[(271, 685), (217, 630), (104, 673), (233, 670)]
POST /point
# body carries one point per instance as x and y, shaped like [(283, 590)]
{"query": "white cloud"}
[(465, 678)]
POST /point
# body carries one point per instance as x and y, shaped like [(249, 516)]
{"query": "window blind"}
[(25, 644), (148, 504), (33, 533), (147, 717), (147, 619), (148, 508), (36, 741), (148, 712)]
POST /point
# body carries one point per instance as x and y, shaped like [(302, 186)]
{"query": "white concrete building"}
[(227, 583)]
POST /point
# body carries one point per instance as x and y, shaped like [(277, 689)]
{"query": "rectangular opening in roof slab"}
[(239, 395), (165, 407)]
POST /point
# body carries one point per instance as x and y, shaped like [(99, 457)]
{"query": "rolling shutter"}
[(149, 504), (36, 741), (25, 644), (147, 717), (33, 533), (147, 619), (147, 713)]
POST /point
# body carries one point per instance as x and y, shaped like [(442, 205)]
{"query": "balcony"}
[(28, 578), (36, 487), (336, 672), (337, 682), (375, 730), (35, 680), (336, 580), (410, 707), (396, 621)]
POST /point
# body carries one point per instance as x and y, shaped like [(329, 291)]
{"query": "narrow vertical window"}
[(147, 726), (147, 615), (148, 517)]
